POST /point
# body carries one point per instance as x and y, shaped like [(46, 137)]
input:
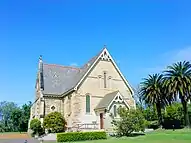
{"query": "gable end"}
[(104, 55)]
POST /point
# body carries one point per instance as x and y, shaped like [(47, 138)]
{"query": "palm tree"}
[(153, 93), (178, 83)]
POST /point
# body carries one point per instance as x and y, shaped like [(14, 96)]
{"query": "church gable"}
[(104, 74)]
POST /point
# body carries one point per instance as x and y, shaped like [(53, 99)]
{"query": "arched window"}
[(109, 82), (100, 81), (105, 80), (115, 110), (87, 103)]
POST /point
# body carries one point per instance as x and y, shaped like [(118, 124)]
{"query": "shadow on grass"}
[(131, 135), (136, 134)]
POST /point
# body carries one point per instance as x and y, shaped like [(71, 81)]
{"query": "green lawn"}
[(162, 136)]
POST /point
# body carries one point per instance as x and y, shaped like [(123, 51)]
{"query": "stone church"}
[(88, 97)]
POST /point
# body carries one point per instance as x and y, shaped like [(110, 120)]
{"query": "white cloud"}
[(168, 59), (181, 55), (74, 64), (152, 70)]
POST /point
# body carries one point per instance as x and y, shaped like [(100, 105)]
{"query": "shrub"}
[(80, 136), (153, 125), (173, 117), (150, 113), (35, 125), (189, 111), (54, 122), (130, 121)]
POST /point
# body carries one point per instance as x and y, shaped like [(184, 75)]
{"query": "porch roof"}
[(104, 103)]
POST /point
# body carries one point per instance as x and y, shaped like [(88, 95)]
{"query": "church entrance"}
[(101, 121)]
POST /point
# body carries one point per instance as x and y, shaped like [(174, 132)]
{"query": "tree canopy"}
[(14, 118)]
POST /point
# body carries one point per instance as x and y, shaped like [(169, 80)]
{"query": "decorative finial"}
[(40, 58), (40, 63), (105, 46)]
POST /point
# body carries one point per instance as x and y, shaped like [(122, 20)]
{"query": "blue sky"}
[(142, 36)]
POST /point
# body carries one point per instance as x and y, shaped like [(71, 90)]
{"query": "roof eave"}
[(68, 91), (100, 108)]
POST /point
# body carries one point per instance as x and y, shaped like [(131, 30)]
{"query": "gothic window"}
[(115, 110), (105, 80), (87, 103), (70, 103), (100, 81)]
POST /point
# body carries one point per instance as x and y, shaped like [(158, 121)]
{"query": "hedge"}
[(80, 136)]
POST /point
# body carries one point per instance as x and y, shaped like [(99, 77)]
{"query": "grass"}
[(160, 136)]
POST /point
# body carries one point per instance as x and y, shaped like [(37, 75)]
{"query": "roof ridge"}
[(93, 58), (62, 66), (88, 61)]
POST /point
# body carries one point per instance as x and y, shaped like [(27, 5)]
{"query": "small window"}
[(105, 80), (100, 81), (53, 108), (109, 82), (87, 104), (115, 110)]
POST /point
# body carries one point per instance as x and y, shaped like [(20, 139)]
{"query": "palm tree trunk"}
[(159, 113), (185, 110)]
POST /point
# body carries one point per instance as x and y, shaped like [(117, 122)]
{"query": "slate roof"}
[(104, 103), (59, 79)]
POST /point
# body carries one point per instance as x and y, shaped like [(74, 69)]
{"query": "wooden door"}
[(101, 121)]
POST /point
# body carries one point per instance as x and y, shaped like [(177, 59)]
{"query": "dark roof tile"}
[(59, 79)]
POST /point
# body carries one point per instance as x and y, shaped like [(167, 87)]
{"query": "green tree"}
[(35, 125), (174, 111), (150, 113), (6, 109), (25, 116), (2, 128), (130, 121), (153, 93), (178, 83), (173, 116), (16, 118), (54, 122), (140, 103)]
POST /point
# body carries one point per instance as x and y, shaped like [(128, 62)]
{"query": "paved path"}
[(23, 141), (19, 141), (49, 137)]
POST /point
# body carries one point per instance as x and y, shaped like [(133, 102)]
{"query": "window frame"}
[(105, 79), (115, 110), (88, 105)]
